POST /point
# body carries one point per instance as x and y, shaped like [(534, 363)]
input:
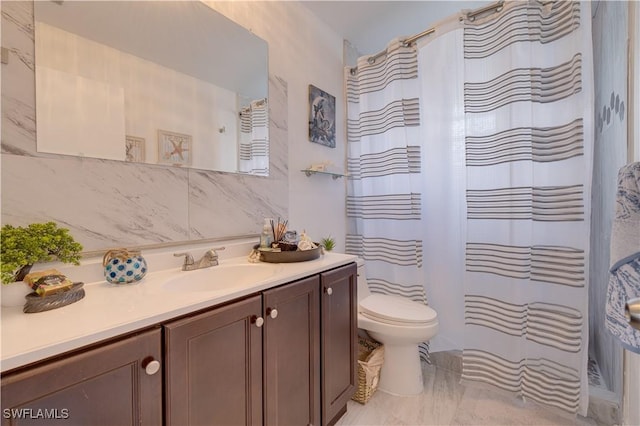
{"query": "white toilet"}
[(401, 325)]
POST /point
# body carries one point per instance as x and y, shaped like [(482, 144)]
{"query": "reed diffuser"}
[(279, 230)]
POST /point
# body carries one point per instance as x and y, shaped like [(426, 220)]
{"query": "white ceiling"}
[(370, 25)]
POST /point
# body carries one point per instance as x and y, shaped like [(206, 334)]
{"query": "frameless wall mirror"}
[(157, 82)]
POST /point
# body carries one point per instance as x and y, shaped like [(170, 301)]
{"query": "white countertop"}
[(108, 310)]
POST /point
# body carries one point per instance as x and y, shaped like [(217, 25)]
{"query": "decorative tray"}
[(290, 256), (36, 303)]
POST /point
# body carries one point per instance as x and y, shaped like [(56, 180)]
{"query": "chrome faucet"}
[(210, 258)]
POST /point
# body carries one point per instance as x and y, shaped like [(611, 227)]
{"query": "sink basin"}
[(221, 277)]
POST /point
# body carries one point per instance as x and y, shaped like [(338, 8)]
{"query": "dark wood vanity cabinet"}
[(252, 362), (107, 385), (286, 356), (338, 340), (292, 353), (311, 348), (213, 366), (304, 333)]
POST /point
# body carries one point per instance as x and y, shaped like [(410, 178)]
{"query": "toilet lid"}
[(396, 309)]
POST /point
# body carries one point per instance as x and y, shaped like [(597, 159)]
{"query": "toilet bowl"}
[(400, 325)]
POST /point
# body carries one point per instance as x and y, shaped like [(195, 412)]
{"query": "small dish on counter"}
[(36, 303)]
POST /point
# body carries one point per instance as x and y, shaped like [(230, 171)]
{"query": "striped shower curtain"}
[(253, 156), (477, 152), (384, 207), (528, 100)]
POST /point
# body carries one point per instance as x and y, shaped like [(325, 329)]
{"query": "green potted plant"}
[(328, 243), (22, 247)]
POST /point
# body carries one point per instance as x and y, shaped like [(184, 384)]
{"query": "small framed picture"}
[(322, 117), (134, 149), (174, 148)]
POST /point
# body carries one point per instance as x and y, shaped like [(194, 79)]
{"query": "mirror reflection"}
[(158, 82)]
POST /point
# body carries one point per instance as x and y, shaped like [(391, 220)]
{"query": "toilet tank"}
[(363, 286)]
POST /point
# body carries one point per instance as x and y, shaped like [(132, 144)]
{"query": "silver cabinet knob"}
[(258, 321), (329, 291), (152, 367), (272, 312)]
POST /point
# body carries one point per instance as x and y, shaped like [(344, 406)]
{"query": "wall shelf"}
[(334, 176)]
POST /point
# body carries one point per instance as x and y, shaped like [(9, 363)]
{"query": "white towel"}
[(624, 279)]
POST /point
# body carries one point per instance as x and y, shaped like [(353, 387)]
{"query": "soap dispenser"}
[(267, 234)]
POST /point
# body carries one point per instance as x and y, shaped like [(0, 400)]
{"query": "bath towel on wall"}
[(624, 280)]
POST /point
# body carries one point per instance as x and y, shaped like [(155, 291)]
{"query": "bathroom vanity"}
[(278, 351)]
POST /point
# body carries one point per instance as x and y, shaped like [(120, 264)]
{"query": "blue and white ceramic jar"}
[(123, 266)]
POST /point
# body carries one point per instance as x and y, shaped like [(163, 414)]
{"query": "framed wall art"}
[(174, 148), (322, 117), (134, 149)]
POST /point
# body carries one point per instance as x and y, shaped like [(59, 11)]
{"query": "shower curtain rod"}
[(497, 6), (406, 43)]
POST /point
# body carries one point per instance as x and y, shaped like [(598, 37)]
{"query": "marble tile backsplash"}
[(108, 203)]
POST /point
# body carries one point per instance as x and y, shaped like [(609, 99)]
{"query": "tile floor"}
[(445, 401)]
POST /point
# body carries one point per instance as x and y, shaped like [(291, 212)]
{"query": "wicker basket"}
[(370, 359)]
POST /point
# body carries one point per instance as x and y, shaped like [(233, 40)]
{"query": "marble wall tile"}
[(108, 203), (278, 129), (18, 79), (223, 205), (103, 203)]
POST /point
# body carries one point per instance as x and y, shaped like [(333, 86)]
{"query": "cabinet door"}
[(214, 367), (292, 354), (106, 385), (339, 333)]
